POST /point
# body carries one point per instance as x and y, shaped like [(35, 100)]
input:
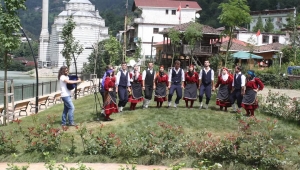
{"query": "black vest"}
[(206, 77), (237, 81), (123, 79), (176, 78), (149, 78)]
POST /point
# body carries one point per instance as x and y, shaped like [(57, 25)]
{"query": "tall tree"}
[(269, 27), (259, 25), (71, 46), (113, 47), (174, 35), (293, 22), (193, 34), (9, 24), (234, 13)]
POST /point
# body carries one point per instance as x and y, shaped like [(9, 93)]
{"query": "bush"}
[(274, 80)]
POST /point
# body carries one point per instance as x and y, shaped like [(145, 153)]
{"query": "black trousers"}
[(123, 96), (148, 92), (236, 96)]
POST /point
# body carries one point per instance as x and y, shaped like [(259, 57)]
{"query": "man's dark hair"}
[(124, 63), (177, 62)]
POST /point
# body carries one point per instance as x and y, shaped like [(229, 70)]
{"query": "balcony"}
[(138, 20), (198, 50)]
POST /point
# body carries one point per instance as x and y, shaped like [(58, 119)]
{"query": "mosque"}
[(90, 29)]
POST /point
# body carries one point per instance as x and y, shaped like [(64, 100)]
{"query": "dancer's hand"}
[(143, 87), (154, 87), (110, 89), (213, 88), (129, 89), (182, 86), (243, 92), (116, 89), (169, 87)]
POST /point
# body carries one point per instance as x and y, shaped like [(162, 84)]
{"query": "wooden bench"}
[(41, 102), (21, 107), (86, 89), (56, 98)]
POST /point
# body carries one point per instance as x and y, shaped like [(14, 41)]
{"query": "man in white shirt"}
[(148, 84), (176, 83), (238, 88), (66, 96), (123, 86), (206, 83)]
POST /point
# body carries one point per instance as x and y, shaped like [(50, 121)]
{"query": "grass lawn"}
[(193, 121)]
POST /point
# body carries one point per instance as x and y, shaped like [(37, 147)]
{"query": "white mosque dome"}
[(79, 2)]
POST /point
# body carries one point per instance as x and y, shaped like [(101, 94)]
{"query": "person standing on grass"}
[(238, 89), (66, 96), (206, 83), (110, 96), (224, 84), (123, 86), (191, 86), (176, 83), (148, 84), (101, 82), (253, 86), (136, 88), (161, 84)]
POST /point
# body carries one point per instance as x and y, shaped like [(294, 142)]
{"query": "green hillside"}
[(113, 12)]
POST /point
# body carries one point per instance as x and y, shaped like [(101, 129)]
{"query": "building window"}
[(275, 39), (173, 12), (155, 30), (265, 39), (167, 11)]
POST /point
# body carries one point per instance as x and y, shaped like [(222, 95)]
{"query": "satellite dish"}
[(132, 63), (197, 15)]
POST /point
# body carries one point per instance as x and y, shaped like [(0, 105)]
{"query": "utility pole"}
[(125, 30), (295, 16)]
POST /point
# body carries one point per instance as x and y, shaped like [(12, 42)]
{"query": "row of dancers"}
[(130, 87)]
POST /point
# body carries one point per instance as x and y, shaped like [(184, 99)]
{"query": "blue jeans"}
[(68, 111)]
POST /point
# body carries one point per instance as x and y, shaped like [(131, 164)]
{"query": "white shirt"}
[(119, 75), (212, 73), (65, 92), (144, 73), (243, 79), (177, 71)]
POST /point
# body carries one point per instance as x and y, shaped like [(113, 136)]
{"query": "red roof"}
[(30, 63), (167, 3)]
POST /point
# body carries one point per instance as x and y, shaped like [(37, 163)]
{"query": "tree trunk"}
[(173, 56), (229, 44), (5, 86), (75, 74)]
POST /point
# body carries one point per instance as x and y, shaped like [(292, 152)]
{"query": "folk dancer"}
[(110, 96), (206, 83), (176, 83), (224, 84), (250, 100), (66, 96), (148, 84), (101, 82), (238, 89), (136, 88), (191, 86), (161, 84), (123, 86)]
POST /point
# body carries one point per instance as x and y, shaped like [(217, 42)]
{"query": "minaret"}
[(44, 37)]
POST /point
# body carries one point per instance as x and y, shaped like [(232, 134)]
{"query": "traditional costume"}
[(238, 85), (224, 84), (191, 85), (122, 82), (250, 100), (148, 79), (110, 97), (136, 89), (176, 78), (207, 78), (161, 83)]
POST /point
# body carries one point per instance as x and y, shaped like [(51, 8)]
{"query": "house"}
[(153, 16), (204, 49), (279, 17)]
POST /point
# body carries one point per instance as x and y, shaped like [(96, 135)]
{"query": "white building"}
[(263, 38), (155, 15), (90, 29), (278, 17)]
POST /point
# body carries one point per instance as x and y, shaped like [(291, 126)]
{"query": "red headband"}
[(225, 69), (192, 66)]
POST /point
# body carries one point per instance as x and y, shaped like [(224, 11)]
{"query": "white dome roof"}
[(80, 2)]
